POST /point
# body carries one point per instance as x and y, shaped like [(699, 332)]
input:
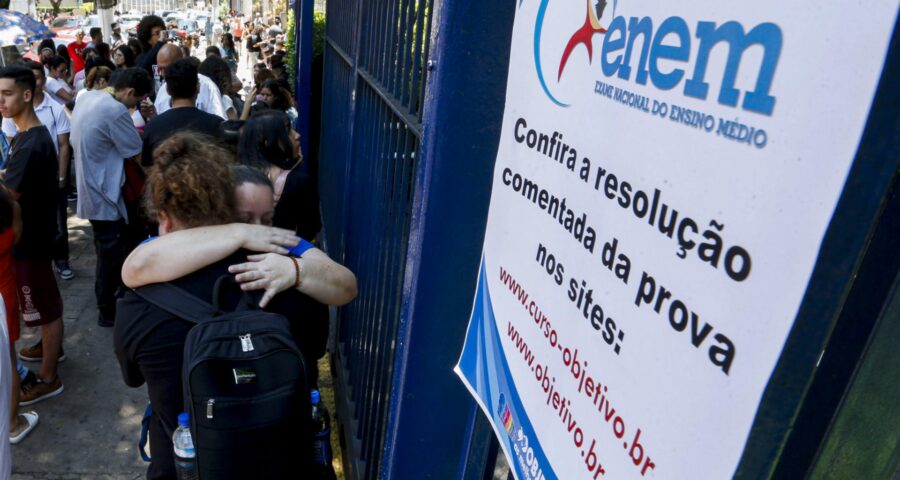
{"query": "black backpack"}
[(244, 386)]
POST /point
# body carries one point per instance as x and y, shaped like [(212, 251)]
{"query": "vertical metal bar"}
[(412, 100), (368, 32), (382, 72), (408, 52), (401, 49), (427, 51)]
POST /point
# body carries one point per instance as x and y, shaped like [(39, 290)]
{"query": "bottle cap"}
[(314, 396), (184, 420)]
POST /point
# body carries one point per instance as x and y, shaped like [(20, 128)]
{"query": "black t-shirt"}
[(298, 207), (176, 120), (32, 171), (147, 60), (149, 344)]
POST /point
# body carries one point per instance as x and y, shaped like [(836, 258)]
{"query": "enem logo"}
[(637, 45), (594, 11)]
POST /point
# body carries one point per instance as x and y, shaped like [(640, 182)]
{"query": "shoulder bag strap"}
[(177, 301)]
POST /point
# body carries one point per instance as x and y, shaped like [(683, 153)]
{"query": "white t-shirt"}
[(79, 80), (54, 85), (51, 114), (228, 104), (209, 99)]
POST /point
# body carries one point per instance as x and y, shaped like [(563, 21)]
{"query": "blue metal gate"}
[(383, 145), (372, 125)]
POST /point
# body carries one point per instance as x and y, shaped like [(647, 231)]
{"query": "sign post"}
[(665, 178)]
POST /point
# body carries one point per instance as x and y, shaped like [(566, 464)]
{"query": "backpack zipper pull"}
[(246, 343), (209, 408)]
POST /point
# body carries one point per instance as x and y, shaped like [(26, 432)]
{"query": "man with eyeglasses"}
[(104, 138)]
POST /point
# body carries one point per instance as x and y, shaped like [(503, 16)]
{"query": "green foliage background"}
[(290, 42)]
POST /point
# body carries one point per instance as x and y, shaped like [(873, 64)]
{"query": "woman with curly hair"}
[(191, 191), (149, 34), (188, 186)]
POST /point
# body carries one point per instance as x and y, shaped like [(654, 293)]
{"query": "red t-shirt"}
[(8, 283), (76, 51)]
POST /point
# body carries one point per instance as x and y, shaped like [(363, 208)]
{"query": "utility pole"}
[(105, 14)]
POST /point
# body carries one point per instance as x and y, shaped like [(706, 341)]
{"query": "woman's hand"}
[(268, 271), (261, 238)]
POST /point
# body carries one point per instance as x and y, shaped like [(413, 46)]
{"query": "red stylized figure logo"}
[(584, 34)]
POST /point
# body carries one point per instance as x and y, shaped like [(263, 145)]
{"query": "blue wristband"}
[(300, 249)]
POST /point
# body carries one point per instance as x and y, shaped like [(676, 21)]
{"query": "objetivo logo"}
[(593, 25), (505, 414)]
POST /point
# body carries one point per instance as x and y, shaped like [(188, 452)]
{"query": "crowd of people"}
[(180, 178)]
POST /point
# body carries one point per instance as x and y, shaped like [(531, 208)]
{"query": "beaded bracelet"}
[(297, 270)]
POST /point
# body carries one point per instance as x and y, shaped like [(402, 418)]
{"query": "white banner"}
[(665, 176)]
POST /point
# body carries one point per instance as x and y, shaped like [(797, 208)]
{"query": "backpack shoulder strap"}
[(177, 301)]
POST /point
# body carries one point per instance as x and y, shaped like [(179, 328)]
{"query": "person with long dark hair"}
[(275, 95), (123, 57), (135, 46), (57, 86), (229, 53), (216, 69), (269, 144)]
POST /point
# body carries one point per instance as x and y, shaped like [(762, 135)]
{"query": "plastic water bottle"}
[(321, 427), (185, 461)]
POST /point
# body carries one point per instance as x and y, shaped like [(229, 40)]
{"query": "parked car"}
[(164, 13), (128, 24), (88, 23), (202, 20), (66, 25), (187, 26)]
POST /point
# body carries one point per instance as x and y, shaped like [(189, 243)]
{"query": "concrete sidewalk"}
[(91, 430)]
